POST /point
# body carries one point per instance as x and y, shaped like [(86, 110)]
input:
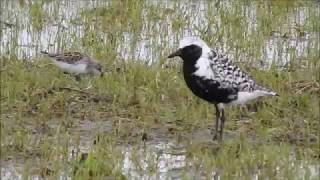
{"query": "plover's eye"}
[(191, 47)]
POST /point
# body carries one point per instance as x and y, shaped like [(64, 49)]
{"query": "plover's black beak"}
[(176, 53)]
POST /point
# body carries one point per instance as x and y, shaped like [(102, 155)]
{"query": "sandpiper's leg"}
[(244, 111), (215, 136), (222, 123), (78, 78)]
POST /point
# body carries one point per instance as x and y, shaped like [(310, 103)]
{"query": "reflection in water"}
[(11, 170), (168, 164)]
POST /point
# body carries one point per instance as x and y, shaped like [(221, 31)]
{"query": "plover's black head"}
[(191, 49)]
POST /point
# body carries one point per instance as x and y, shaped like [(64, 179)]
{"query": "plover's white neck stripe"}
[(204, 64), (204, 69)]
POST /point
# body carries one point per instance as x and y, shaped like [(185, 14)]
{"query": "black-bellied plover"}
[(214, 78)]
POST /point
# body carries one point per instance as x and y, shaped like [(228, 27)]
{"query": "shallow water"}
[(156, 160), (62, 30)]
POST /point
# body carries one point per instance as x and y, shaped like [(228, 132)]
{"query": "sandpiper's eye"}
[(99, 68)]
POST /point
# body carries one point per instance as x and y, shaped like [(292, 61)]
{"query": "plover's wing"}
[(231, 76), (69, 57)]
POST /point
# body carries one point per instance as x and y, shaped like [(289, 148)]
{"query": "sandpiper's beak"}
[(176, 53)]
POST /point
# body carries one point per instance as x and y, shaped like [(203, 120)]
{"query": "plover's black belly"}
[(210, 90)]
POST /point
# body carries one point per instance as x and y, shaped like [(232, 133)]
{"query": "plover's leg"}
[(222, 124), (215, 134)]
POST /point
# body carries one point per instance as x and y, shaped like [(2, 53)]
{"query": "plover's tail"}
[(271, 93), (265, 91)]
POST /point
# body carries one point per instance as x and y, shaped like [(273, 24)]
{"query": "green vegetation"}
[(48, 118)]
